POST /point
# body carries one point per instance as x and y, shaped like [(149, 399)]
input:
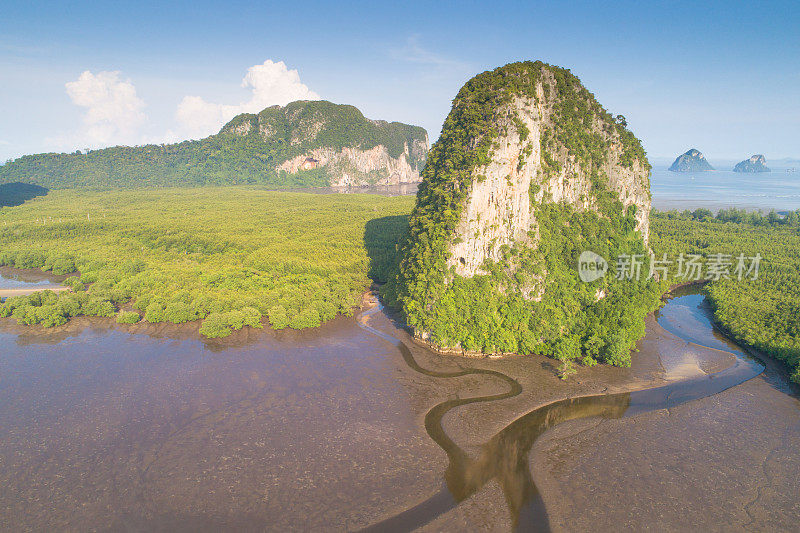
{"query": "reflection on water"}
[(505, 456), (23, 280)]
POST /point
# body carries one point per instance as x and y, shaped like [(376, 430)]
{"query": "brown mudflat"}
[(149, 428)]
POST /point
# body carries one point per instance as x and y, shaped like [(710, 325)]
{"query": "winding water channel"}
[(353, 426), (505, 456)]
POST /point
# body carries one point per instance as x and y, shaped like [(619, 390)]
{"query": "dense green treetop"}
[(228, 256), (236, 155)]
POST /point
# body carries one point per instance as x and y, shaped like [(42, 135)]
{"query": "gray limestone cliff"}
[(530, 170), (756, 163), (691, 161), (337, 141)]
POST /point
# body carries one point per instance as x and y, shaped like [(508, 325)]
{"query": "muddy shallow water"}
[(148, 428), (19, 282)]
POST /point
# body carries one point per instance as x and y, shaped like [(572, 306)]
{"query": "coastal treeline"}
[(738, 216), (763, 312), (234, 257), (225, 256)]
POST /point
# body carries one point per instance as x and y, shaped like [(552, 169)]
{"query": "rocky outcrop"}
[(354, 167), (349, 149), (529, 172), (756, 163), (497, 211), (691, 161), (301, 144)]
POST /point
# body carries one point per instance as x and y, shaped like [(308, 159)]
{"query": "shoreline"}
[(474, 354), (461, 426), (190, 330), (657, 360), (10, 293), (32, 276)]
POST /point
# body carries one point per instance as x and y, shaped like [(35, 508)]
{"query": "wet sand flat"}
[(727, 463), (8, 293)]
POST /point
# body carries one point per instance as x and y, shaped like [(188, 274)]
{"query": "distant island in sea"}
[(756, 163), (692, 160)]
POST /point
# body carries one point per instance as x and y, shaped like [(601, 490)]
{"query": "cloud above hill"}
[(114, 113), (271, 83)]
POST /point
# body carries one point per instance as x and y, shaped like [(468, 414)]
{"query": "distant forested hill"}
[(248, 150)]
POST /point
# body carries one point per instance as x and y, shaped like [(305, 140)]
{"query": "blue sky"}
[(723, 77)]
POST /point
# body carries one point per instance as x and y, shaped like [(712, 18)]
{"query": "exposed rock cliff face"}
[(691, 161), (497, 210), (529, 171), (756, 163), (354, 167), (347, 148)]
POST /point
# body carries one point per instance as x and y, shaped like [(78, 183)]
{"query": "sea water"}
[(721, 188)]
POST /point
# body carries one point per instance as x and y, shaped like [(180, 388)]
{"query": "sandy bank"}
[(8, 293)]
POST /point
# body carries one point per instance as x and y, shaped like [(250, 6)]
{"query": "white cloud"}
[(114, 113), (271, 83)]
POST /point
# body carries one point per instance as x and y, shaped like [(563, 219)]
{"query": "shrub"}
[(278, 318), (179, 312), (128, 317), (215, 326), (252, 317), (155, 312), (95, 306)]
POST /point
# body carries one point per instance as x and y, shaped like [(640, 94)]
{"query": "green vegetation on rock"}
[(248, 150), (491, 312)]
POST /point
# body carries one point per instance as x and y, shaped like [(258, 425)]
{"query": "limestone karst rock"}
[(348, 148), (691, 161), (530, 170), (756, 163)]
